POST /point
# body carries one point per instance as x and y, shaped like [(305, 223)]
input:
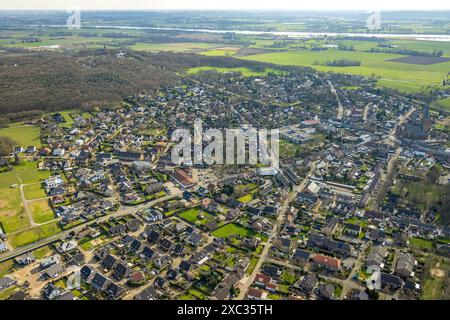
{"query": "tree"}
[(433, 174)]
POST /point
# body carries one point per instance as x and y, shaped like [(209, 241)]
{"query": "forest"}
[(32, 82)]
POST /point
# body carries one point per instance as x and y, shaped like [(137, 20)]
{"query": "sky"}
[(228, 4)]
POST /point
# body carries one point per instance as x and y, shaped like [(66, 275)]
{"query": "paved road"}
[(281, 217), (123, 211), (340, 107)]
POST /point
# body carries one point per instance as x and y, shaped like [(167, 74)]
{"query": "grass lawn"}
[(408, 77), (35, 234), (234, 229), (192, 216), (24, 135), (436, 282), (6, 293), (12, 216), (41, 211), (421, 243), (443, 104), (6, 267), (34, 191), (42, 252), (246, 198)]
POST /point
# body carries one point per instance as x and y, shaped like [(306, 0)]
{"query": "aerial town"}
[(357, 210)]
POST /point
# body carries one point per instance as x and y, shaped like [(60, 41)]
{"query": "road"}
[(340, 107), (275, 229), (123, 211)]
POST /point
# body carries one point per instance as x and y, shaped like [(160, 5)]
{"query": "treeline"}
[(408, 52), (339, 63), (6, 146)]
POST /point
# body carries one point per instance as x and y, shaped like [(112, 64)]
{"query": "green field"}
[(407, 77), (233, 229), (12, 216), (421, 243), (246, 198), (23, 135), (443, 104), (34, 191), (192, 216), (35, 234), (175, 47), (41, 211), (436, 285), (246, 72)]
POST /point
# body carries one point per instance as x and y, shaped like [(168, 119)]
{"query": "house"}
[(301, 257), (109, 262), (25, 259), (390, 282), (307, 284), (3, 246), (147, 294), (49, 261), (405, 265), (325, 291), (185, 266), (86, 272), (375, 258), (256, 294), (376, 235), (68, 296), (358, 295), (323, 243), (352, 229), (53, 271), (99, 281), (328, 263), (6, 282), (113, 290), (67, 246), (121, 271), (181, 176), (51, 291), (266, 282), (133, 225)]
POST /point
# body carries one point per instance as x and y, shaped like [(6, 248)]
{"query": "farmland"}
[(398, 75), (244, 71)]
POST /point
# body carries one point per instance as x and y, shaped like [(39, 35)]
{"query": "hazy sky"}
[(229, 4)]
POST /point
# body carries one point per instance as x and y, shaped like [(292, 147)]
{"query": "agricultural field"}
[(398, 75), (246, 72), (34, 234), (41, 211), (23, 135), (175, 47)]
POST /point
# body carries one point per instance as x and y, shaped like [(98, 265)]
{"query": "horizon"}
[(231, 5)]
